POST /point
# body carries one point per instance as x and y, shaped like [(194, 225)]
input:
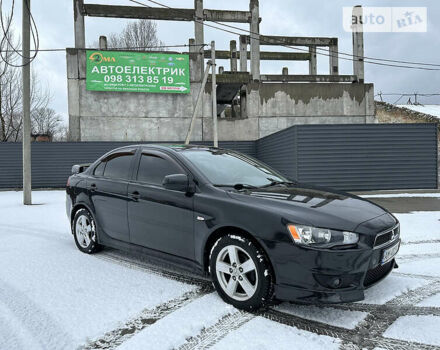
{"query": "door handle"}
[(135, 196)]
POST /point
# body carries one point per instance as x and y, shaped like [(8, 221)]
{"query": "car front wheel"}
[(241, 273)]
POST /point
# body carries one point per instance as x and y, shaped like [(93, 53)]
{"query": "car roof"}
[(171, 147)]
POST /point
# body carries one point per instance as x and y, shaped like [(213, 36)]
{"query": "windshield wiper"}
[(239, 186), (274, 183)]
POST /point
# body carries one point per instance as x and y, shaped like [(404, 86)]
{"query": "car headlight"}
[(321, 237)]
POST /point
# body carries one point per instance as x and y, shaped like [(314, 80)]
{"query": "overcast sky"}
[(54, 19)]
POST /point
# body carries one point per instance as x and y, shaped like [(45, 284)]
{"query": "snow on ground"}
[(182, 323), (419, 226), (340, 318), (390, 288), (422, 329), (402, 195), (421, 248), (57, 295), (54, 297), (260, 333), (433, 301), (423, 267), (433, 110)]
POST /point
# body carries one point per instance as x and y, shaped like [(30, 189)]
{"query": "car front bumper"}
[(307, 275)]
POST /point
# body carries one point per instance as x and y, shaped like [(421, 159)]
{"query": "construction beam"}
[(313, 63), (242, 54), (254, 40), (309, 78), (227, 16), (264, 55), (232, 78), (138, 12), (165, 14), (296, 41)]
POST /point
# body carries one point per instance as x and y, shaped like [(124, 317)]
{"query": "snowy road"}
[(54, 297)]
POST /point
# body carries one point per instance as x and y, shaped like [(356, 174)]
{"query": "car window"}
[(118, 166), (99, 170), (153, 169), (223, 167)]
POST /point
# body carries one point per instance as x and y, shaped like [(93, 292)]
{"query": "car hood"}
[(318, 206)]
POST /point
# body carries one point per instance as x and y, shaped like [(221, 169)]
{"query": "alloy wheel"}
[(236, 273), (84, 231)]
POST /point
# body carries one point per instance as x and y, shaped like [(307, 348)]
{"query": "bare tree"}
[(138, 35), (46, 121), (11, 89)]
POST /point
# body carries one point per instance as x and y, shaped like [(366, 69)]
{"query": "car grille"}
[(388, 236), (378, 273)]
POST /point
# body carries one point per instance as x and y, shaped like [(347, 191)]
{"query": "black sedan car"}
[(257, 234)]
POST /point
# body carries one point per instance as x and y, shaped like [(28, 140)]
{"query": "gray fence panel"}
[(368, 157), (278, 151), (52, 162), (348, 157)]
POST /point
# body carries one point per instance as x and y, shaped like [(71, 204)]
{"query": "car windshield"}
[(227, 168)]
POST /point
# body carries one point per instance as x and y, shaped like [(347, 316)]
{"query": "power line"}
[(366, 59), (6, 33), (116, 48), (405, 94)]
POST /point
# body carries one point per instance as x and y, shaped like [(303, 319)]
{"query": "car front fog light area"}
[(321, 237)]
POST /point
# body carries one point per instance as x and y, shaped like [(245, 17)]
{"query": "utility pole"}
[(214, 96), (26, 76)]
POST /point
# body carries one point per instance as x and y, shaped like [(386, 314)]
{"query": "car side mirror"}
[(177, 182)]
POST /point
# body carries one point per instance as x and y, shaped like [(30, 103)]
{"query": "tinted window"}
[(99, 170), (152, 169), (118, 166), (223, 167)]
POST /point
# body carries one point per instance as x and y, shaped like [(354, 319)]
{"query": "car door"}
[(159, 218), (108, 193)]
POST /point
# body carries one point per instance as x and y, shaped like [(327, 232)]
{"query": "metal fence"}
[(348, 157), (52, 162), (356, 157)]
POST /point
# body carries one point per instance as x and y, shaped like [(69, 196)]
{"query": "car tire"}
[(84, 232), (241, 273)]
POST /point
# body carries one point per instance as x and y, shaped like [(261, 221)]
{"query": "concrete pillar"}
[(334, 59), (254, 8), (199, 36), (103, 42), (79, 30), (214, 96), (243, 53), (312, 63), (358, 45), (233, 51), (243, 96)]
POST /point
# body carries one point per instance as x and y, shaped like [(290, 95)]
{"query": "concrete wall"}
[(117, 116)]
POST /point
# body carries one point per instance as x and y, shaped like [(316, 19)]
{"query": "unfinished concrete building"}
[(250, 104)]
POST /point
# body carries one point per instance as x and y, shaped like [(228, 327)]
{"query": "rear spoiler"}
[(79, 168)]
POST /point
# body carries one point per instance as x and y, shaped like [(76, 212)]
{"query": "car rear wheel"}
[(84, 232), (241, 273)]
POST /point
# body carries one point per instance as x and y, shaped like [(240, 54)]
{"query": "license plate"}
[(390, 253)]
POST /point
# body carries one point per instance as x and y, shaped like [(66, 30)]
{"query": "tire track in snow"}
[(368, 334), (422, 242), (413, 257), (131, 262), (36, 321), (144, 319), (212, 335)]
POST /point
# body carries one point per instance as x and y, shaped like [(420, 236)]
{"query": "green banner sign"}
[(137, 72)]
